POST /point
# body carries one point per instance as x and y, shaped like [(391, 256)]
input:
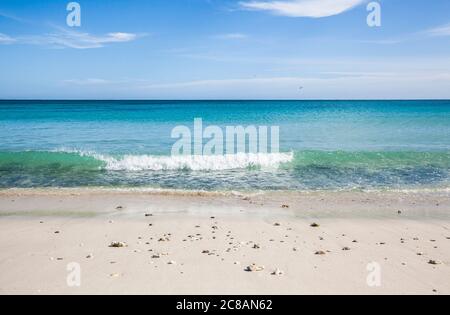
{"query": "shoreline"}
[(204, 243)]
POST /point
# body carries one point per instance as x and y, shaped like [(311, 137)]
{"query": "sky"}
[(225, 49)]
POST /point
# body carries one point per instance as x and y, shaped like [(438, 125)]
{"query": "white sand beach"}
[(201, 243)]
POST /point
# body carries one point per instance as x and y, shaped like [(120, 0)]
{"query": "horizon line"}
[(211, 100)]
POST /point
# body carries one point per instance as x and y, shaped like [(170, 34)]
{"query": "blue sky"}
[(224, 49)]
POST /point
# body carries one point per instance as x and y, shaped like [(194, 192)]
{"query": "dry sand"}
[(200, 243)]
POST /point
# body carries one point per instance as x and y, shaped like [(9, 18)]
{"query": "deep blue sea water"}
[(324, 145)]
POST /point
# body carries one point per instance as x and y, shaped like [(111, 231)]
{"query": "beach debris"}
[(285, 206), (399, 212), (256, 246), (57, 232), (205, 252), (119, 208), (110, 221), (295, 249), (346, 248), (90, 256), (149, 215), (254, 268), (156, 256), (165, 238), (41, 222), (277, 272), (118, 244), (420, 254), (277, 224), (114, 275), (236, 263), (315, 225), (434, 262), (59, 258), (321, 238), (354, 241), (172, 262), (320, 252)]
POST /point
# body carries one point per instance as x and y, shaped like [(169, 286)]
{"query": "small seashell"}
[(118, 244), (435, 262), (277, 272), (254, 268)]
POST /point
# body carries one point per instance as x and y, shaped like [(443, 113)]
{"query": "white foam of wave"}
[(195, 163)]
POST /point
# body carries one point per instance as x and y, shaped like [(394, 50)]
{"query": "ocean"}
[(324, 145)]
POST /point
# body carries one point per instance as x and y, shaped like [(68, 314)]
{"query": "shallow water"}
[(324, 145)]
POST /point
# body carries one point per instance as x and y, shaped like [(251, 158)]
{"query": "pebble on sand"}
[(434, 262), (346, 248), (320, 252), (315, 225), (254, 268), (118, 244), (277, 272), (172, 262), (90, 256), (277, 224)]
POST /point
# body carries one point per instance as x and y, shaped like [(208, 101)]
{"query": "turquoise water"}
[(323, 144)]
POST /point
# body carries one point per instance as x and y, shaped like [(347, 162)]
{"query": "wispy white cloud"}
[(338, 85), (12, 17), (302, 8), (70, 39), (232, 36), (439, 31), (5, 39), (89, 81)]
